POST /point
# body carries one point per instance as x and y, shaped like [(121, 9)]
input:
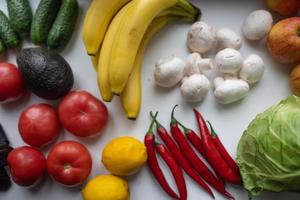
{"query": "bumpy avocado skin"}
[(46, 73)]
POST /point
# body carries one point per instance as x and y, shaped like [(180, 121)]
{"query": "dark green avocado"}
[(45, 72)]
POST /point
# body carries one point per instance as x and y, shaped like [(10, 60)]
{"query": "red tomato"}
[(82, 114), (11, 83), (69, 163), (39, 125), (27, 165)]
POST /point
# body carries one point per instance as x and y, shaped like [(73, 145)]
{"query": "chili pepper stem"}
[(212, 131), (175, 121), (150, 130), (155, 121), (185, 129)]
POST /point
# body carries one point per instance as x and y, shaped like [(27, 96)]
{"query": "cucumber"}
[(2, 47), (20, 15), (10, 38), (63, 26), (43, 20)]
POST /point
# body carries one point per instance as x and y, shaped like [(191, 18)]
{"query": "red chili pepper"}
[(194, 140), (153, 163), (171, 145), (193, 158), (175, 169), (222, 150), (213, 156)]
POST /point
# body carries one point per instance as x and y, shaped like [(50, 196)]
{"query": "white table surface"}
[(230, 121)]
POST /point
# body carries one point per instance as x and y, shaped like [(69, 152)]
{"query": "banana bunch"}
[(116, 34)]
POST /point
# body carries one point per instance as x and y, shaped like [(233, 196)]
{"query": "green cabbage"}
[(269, 151)]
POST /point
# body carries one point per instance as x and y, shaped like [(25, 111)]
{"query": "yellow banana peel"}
[(130, 34), (132, 94), (96, 22), (104, 55)]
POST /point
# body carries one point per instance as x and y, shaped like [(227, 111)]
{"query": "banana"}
[(104, 55), (94, 60), (131, 96), (96, 22), (130, 34)]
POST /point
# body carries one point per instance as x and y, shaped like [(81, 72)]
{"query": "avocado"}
[(46, 73)]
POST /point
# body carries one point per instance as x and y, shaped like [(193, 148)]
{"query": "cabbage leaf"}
[(269, 151)]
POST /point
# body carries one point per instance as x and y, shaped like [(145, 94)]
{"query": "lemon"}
[(124, 156), (106, 187)]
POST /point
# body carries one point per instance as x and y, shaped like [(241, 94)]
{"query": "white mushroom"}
[(201, 38), (257, 24), (229, 61), (227, 38), (195, 64), (195, 88), (169, 72), (230, 90), (191, 66), (205, 64), (252, 69)]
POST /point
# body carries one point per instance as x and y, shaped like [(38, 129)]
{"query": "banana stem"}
[(177, 11), (189, 7)]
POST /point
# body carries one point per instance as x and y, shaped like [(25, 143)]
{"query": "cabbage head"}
[(269, 151)]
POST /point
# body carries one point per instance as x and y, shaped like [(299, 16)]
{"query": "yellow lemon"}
[(106, 187), (124, 156)]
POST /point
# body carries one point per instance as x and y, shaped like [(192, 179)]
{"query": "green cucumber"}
[(10, 38), (43, 20), (2, 47), (20, 15), (64, 24)]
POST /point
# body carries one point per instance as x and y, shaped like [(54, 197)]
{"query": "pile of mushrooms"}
[(234, 74), (194, 85)]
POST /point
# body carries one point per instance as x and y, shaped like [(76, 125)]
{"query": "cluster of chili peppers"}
[(180, 157)]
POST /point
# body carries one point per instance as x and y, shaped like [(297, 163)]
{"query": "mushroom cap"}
[(168, 73), (229, 61), (227, 38), (252, 69), (195, 88), (201, 38), (257, 24)]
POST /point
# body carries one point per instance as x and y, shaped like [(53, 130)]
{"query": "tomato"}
[(69, 163), (11, 83), (27, 165), (39, 125), (82, 114)]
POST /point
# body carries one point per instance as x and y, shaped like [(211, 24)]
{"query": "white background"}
[(229, 121)]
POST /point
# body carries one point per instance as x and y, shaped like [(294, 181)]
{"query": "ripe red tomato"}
[(11, 83), (82, 114), (39, 125), (27, 165), (69, 163)]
